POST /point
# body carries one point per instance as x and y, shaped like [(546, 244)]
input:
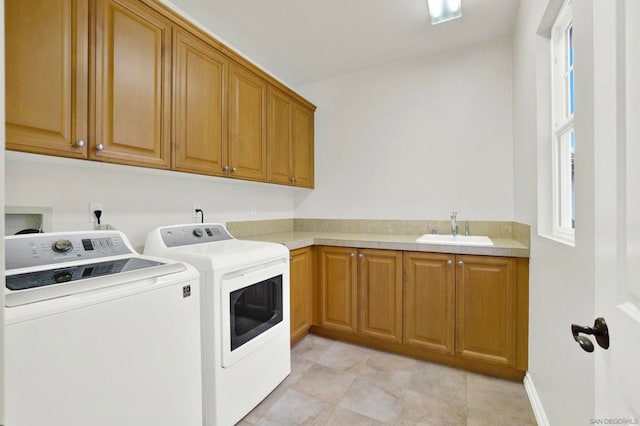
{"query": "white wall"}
[(561, 277), (416, 139), (135, 200)]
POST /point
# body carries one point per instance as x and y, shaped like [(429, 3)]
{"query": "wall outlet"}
[(93, 206)]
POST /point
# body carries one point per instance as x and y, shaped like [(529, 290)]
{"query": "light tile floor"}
[(336, 383)]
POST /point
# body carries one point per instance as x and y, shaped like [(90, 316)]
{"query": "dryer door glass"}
[(255, 309)]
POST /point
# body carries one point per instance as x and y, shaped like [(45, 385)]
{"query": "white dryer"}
[(244, 313), (96, 334)]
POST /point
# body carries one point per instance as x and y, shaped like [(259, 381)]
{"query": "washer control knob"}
[(62, 246), (198, 232)]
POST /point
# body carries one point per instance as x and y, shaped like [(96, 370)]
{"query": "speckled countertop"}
[(299, 239)]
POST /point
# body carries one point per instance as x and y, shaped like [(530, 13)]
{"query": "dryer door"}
[(255, 309)]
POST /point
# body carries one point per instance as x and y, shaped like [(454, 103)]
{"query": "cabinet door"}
[(300, 294), (486, 309), (338, 288), (46, 46), (132, 85), (248, 124), (380, 294), (200, 100), (279, 137), (429, 300), (303, 146)]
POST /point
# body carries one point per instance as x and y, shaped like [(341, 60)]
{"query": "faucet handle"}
[(453, 215)]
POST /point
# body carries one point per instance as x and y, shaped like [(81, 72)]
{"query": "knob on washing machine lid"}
[(198, 232)]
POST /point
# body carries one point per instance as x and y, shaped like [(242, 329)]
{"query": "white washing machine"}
[(244, 312), (96, 334)]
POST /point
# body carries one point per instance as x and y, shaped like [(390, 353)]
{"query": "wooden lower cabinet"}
[(462, 310), (486, 309), (380, 294), (338, 289), (429, 301), (301, 296), (361, 292)]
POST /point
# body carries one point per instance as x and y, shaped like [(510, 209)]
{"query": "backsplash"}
[(497, 229), (257, 227)]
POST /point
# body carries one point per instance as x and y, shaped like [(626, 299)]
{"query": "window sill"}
[(559, 239)]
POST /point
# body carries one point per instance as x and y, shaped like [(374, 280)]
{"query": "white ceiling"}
[(301, 41)]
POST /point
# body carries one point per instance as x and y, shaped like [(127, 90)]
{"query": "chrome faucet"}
[(466, 227), (454, 224)]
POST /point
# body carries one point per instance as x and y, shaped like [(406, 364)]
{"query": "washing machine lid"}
[(71, 273), (47, 266), (210, 247)]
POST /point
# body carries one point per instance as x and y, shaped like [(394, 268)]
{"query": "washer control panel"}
[(185, 235), (47, 249)]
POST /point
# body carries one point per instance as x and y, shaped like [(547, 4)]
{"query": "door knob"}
[(599, 330)]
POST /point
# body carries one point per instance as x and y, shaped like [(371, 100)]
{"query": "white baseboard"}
[(534, 399)]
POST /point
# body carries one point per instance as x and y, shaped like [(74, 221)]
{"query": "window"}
[(563, 135)]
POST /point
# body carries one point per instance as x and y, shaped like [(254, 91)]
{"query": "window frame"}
[(562, 126)]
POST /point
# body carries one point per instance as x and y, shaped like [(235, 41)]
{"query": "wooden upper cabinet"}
[(46, 48), (380, 294), (132, 85), (429, 301), (303, 164), (247, 124), (486, 309), (200, 101), (290, 141), (280, 137), (132, 82), (300, 294), (338, 289)]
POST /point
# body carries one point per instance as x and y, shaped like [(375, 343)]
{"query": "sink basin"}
[(458, 240)]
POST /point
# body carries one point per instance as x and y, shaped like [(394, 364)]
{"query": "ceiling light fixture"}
[(444, 10)]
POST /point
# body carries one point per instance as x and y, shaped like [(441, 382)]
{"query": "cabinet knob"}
[(225, 168), (361, 256), (99, 147), (79, 143), (353, 254), (292, 179), (460, 263), (290, 257), (449, 262), (234, 169)]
